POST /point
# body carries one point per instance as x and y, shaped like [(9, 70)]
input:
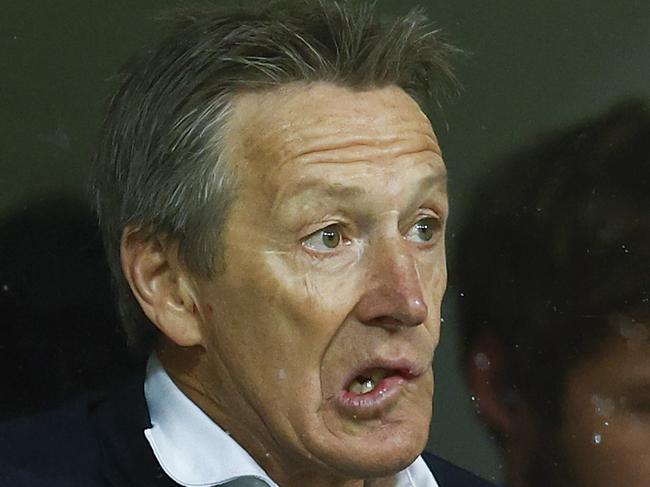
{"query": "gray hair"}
[(162, 165)]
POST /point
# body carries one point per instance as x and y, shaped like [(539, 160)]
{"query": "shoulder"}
[(89, 442), (449, 475), (55, 448)]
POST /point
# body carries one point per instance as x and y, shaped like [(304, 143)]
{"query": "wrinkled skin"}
[(288, 318)]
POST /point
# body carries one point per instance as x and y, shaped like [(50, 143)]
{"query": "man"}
[(273, 201), (555, 274)]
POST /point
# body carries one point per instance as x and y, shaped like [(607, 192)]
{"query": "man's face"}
[(604, 437), (324, 321), (607, 418)]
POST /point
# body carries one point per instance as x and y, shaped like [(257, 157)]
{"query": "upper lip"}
[(404, 367)]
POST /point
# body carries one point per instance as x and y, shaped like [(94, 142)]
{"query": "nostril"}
[(388, 308), (387, 322), (396, 321)]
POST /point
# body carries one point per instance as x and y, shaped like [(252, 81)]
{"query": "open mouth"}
[(375, 388), (368, 381)]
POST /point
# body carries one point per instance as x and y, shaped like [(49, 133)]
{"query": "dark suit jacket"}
[(98, 442)]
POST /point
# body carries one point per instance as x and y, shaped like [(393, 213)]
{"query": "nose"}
[(393, 298)]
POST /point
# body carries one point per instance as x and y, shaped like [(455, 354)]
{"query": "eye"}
[(424, 230), (325, 239)]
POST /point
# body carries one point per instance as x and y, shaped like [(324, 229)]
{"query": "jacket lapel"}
[(119, 420)]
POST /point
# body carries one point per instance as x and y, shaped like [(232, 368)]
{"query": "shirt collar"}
[(195, 452)]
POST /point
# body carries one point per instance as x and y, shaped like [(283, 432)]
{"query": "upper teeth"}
[(364, 384)]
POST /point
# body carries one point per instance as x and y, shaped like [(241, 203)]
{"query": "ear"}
[(489, 379), (162, 286)]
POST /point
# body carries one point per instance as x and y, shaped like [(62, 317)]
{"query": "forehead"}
[(321, 123)]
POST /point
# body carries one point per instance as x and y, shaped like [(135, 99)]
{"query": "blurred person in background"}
[(554, 271)]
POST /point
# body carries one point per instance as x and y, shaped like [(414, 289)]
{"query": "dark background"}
[(532, 66)]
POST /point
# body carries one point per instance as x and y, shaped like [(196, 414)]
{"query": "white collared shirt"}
[(195, 452)]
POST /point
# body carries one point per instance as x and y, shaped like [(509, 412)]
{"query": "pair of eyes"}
[(329, 238)]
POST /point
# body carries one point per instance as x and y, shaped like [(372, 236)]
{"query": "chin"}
[(379, 451)]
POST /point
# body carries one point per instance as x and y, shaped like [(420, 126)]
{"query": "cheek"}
[(625, 445), (432, 274), (277, 301), (606, 445), (433, 262), (330, 294), (616, 454), (319, 294)]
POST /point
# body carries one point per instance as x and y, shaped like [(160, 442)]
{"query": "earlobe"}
[(488, 378), (508, 414), (161, 285)]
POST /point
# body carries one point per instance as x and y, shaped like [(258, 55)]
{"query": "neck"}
[(184, 366)]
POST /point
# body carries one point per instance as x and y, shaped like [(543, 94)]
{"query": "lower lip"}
[(370, 405)]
